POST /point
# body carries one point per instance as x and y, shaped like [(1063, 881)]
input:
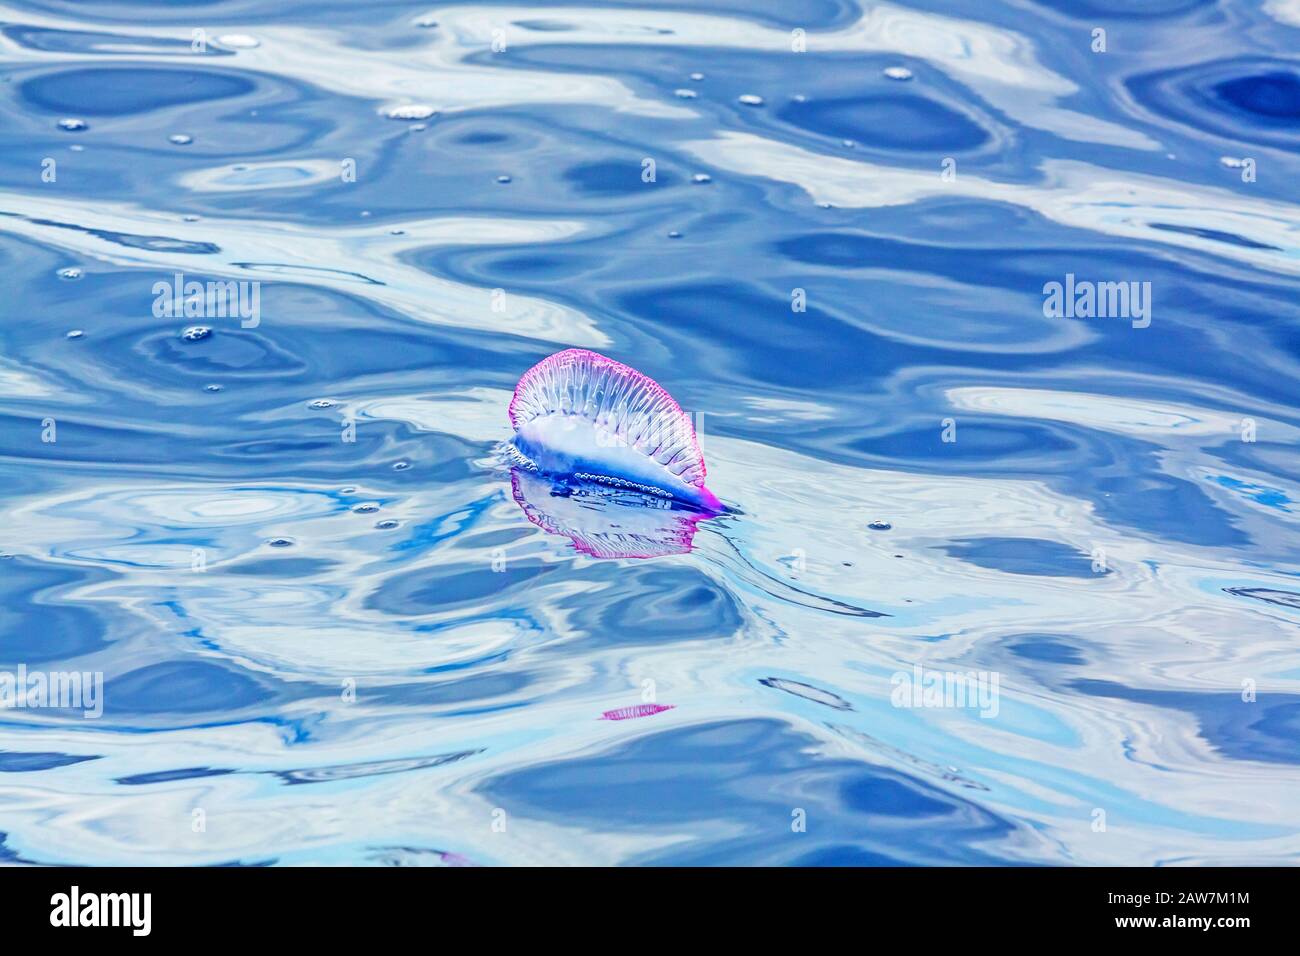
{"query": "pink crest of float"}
[(640, 710), (615, 397)]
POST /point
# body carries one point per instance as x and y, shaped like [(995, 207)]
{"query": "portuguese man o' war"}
[(603, 456), (578, 414), (639, 710)]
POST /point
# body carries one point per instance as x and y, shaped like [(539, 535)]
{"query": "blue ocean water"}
[(334, 627)]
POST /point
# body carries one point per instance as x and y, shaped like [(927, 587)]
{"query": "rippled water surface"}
[(334, 627)]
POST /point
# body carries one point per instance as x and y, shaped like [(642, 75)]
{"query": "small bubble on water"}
[(196, 333), (366, 508), (239, 41), (212, 388), (70, 274), (411, 111), (349, 490), (388, 524), (180, 139), (1232, 162), (799, 98), (674, 234), (879, 525), (321, 403), (281, 542), (824, 205), (73, 125), (848, 143), (191, 218), (417, 127), (750, 99), (899, 73), (77, 148), (426, 22), (685, 94), (503, 179), (401, 465), (75, 334), (697, 77), (397, 232), (701, 178)]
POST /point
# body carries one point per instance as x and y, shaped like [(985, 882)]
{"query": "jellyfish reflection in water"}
[(606, 522)]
